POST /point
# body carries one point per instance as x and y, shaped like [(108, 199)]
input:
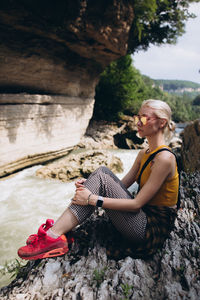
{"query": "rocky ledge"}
[(80, 165), (100, 265)]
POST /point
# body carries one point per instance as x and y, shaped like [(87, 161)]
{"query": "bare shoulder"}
[(165, 157)]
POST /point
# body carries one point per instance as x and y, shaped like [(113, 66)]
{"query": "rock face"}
[(190, 150), (57, 50), (60, 47), (38, 128), (95, 268), (105, 135)]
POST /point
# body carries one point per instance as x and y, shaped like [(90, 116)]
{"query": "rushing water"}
[(26, 201)]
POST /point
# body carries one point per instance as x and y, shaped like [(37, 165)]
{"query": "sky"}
[(180, 61)]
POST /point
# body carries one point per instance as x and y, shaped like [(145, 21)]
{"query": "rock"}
[(98, 267), (51, 56), (60, 47), (105, 135), (99, 135), (35, 128), (190, 150), (128, 138), (175, 142), (80, 165)]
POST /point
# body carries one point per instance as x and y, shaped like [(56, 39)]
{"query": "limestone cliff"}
[(39, 128), (55, 49)]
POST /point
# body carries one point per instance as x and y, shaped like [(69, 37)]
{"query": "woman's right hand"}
[(80, 182)]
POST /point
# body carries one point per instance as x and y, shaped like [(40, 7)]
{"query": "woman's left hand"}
[(81, 196)]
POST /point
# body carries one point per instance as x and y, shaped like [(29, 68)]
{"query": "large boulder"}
[(190, 150)]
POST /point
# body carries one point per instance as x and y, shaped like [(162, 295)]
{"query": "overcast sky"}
[(180, 61)]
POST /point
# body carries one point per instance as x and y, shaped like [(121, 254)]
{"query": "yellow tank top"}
[(167, 195)]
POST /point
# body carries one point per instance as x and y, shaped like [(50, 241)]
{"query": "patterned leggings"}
[(104, 183)]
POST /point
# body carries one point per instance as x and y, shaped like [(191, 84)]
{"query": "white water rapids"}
[(26, 201)]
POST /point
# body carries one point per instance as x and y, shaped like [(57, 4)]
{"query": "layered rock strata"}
[(56, 49), (60, 47), (39, 128)]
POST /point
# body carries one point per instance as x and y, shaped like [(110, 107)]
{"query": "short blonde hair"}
[(163, 111)]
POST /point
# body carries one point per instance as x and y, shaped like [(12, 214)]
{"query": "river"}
[(26, 201)]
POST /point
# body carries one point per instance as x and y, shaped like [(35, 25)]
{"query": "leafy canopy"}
[(158, 22), (120, 84)]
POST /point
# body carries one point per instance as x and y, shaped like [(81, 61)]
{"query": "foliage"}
[(98, 276), (14, 268), (158, 22), (183, 109), (126, 288), (118, 86), (122, 89)]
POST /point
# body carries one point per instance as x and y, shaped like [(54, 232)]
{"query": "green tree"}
[(158, 22), (119, 87)]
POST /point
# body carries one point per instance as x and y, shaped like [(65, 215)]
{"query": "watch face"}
[(99, 201)]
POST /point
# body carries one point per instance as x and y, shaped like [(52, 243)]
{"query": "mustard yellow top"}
[(167, 195)]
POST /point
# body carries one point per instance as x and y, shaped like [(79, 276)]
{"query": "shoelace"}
[(32, 239)]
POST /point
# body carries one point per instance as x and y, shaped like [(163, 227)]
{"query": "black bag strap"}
[(150, 158)]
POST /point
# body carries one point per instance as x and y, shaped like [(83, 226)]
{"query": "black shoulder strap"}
[(150, 158)]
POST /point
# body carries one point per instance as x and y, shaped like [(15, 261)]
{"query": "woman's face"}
[(153, 123)]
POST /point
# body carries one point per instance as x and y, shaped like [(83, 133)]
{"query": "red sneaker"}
[(42, 246)]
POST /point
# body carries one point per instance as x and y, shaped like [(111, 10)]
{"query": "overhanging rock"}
[(51, 56)]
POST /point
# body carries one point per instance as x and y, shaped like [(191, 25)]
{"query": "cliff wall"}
[(51, 56), (38, 128)]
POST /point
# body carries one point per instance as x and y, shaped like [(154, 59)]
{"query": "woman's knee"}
[(103, 169)]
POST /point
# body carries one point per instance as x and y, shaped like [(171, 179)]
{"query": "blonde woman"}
[(145, 220)]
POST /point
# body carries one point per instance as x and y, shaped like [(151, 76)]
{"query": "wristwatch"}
[(99, 201)]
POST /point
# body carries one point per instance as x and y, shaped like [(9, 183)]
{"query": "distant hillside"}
[(178, 86)]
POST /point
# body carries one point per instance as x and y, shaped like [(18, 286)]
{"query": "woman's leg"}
[(50, 241), (103, 182), (66, 222)]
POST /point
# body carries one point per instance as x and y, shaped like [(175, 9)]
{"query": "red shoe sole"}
[(51, 253)]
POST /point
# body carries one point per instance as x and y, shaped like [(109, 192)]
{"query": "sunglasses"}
[(143, 119)]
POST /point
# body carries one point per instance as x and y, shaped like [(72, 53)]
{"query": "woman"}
[(145, 220)]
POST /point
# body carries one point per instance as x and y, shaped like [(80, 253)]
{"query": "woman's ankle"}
[(51, 233)]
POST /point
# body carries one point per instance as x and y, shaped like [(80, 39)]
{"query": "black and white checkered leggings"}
[(104, 183)]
